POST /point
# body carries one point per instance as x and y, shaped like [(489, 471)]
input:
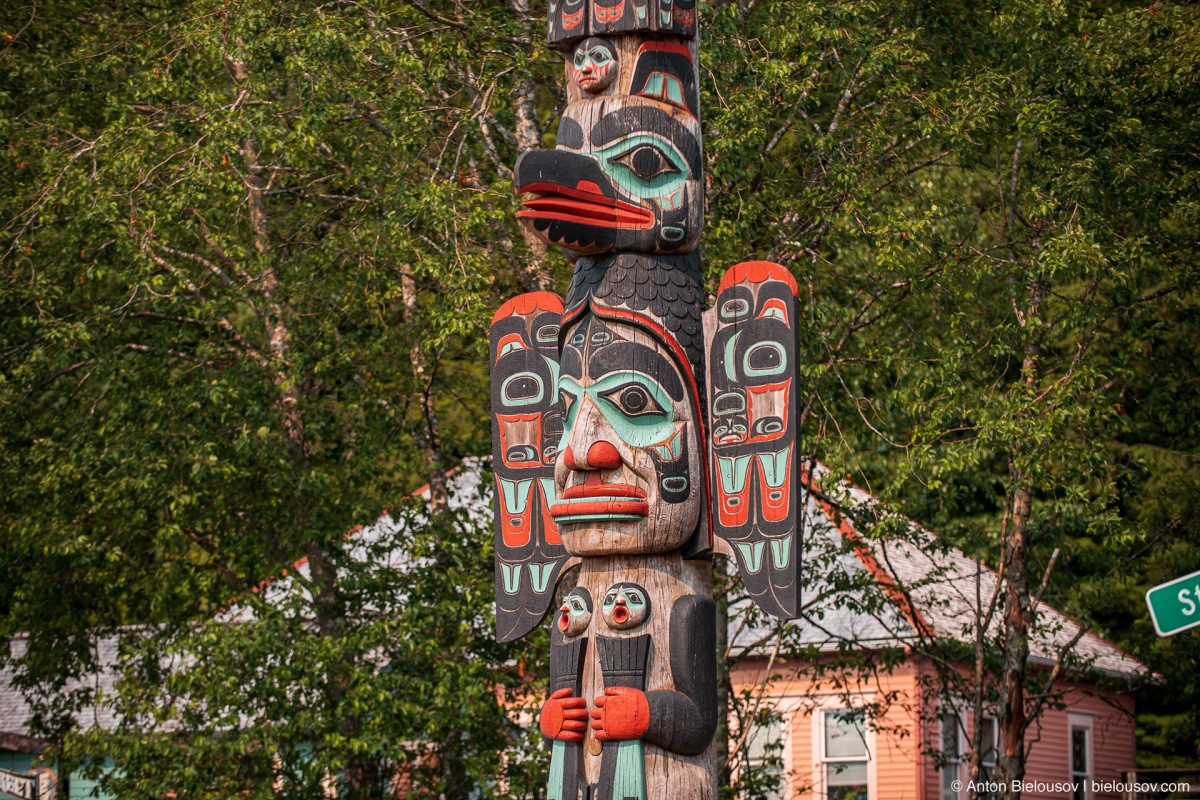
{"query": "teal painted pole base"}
[(629, 778), (558, 758)]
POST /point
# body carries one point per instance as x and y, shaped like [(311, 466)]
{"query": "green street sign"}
[(1175, 606)]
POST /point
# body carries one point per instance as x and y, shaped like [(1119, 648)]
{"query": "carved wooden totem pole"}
[(630, 426)]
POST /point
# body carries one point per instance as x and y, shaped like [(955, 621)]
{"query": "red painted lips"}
[(594, 497), (584, 204)]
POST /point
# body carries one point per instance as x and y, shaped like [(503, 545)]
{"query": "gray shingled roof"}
[(944, 584)]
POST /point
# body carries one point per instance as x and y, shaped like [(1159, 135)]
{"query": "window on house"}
[(764, 758), (953, 768), (845, 756), (956, 749), (1081, 755)]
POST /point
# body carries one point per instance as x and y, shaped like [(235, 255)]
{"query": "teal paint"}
[(630, 778), (558, 755)]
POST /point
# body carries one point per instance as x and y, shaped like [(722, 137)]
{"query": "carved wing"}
[(752, 376), (527, 425)]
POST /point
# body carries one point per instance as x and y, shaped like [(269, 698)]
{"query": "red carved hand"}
[(620, 714), (564, 718)]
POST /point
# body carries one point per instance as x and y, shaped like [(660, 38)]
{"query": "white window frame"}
[(963, 764), (839, 703), (1086, 723), (779, 706), (788, 707), (952, 770)]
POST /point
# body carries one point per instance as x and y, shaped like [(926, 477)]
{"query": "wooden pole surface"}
[(633, 429)]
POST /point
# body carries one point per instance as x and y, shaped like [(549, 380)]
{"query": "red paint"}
[(564, 618), (603, 455), (758, 272), (757, 396), (639, 508), (666, 47), (586, 205), (597, 489), (620, 714), (611, 14), (777, 304), (529, 303), (506, 425), (775, 510), (564, 718)]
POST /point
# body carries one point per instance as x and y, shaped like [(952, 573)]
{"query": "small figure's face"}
[(625, 606), (628, 473), (576, 612), (594, 65)]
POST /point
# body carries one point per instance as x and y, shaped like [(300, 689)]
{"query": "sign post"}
[(1175, 605)]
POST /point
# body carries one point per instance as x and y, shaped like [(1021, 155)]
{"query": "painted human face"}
[(594, 65), (628, 474), (625, 606), (576, 612)]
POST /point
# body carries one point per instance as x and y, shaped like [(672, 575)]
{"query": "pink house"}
[(904, 733)]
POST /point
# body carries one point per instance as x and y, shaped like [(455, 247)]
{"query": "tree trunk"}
[(1018, 609), (528, 132)]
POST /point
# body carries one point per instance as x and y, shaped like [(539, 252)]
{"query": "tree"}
[(249, 251)]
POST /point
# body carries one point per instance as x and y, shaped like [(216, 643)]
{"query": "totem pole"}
[(633, 432)]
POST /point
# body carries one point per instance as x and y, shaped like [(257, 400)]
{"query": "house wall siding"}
[(907, 735)]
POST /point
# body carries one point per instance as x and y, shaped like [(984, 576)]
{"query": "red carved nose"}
[(602, 455)]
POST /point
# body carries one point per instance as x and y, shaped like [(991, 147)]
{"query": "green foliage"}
[(243, 241)]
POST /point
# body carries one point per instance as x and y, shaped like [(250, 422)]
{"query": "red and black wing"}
[(753, 436), (527, 425)]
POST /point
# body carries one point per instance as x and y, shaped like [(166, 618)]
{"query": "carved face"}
[(625, 606), (627, 173), (594, 65), (576, 612), (628, 476)]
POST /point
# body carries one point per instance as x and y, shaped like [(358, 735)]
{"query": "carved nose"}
[(600, 455)]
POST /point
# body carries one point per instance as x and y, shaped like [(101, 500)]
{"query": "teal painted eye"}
[(646, 161), (633, 400), (645, 166), (634, 598)]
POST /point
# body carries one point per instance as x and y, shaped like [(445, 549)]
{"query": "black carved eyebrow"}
[(623, 356), (634, 119), (571, 362)]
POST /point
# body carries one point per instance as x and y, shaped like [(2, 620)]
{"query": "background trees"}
[(250, 250)]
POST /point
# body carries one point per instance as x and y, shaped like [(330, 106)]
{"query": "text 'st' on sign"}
[(1175, 606)]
